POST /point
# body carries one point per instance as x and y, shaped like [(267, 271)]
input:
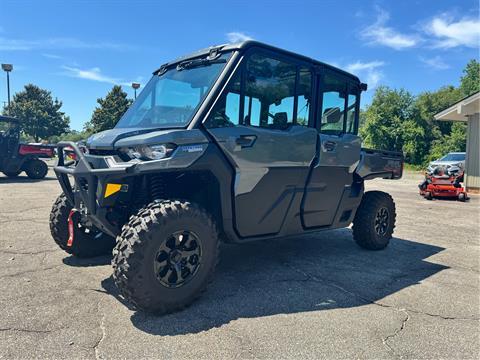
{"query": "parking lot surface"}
[(314, 296)]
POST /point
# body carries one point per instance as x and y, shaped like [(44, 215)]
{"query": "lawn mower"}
[(443, 183)]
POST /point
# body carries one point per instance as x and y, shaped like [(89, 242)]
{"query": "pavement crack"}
[(30, 271), (102, 337), (309, 277), (397, 331), (28, 330), (13, 252)]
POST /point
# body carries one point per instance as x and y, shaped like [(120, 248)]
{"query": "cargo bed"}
[(380, 164)]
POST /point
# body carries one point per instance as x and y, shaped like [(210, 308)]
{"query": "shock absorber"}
[(157, 187)]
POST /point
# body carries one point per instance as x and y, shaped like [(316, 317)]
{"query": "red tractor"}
[(16, 157)]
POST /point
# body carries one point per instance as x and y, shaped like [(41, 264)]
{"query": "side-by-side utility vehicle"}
[(233, 143), (16, 157)]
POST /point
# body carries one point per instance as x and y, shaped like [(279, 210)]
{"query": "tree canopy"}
[(470, 81), (111, 109), (397, 120), (39, 112)]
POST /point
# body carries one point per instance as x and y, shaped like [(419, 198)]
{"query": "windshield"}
[(171, 98), (453, 157)]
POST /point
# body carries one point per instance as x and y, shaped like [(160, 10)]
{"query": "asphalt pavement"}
[(313, 296)]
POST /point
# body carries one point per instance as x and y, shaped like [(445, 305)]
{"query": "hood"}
[(450, 162), (107, 139), (117, 138)]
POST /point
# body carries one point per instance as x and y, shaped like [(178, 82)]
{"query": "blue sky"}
[(79, 49)]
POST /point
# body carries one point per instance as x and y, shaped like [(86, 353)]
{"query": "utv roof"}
[(248, 44), (8, 119)]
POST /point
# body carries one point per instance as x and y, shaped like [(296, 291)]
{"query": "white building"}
[(468, 110)]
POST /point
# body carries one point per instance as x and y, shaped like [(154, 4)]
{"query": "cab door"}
[(261, 123), (339, 150)]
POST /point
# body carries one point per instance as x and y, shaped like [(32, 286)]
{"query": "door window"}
[(226, 112), (333, 105), (272, 82), (276, 94)]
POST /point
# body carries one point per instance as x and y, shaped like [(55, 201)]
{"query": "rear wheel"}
[(86, 243), (462, 197), (12, 174), (374, 221), (36, 169), (165, 256), (428, 195)]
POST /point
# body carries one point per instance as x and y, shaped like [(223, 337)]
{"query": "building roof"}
[(460, 110)]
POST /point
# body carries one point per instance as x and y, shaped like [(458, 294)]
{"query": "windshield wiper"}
[(189, 64)]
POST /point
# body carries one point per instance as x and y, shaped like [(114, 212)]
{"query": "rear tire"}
[(85, 244), (374, 221), (428, 195), (155, 269), (462, 197), (36, 169), (11, 174)]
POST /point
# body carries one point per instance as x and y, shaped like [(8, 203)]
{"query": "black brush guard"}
[(87, 180)]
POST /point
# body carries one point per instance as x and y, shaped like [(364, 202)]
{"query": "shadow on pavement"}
[(24, 179), (79, 262), (309, 273)]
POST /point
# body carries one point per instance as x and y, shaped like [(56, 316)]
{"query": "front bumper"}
[(90, 175)]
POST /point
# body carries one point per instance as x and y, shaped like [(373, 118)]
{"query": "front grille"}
[(102, 152)]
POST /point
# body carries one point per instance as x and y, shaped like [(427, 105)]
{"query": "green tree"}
[(430, 103), (40, 114), (111, 109), (392, 122), (72, 135), (470, 81)]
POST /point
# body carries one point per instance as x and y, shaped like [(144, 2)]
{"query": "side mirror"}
[(332, 115)]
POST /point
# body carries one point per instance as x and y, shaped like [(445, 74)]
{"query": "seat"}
[(280, 120)]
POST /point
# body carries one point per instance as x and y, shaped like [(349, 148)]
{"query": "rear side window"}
[(304, 96), (352, 115), (339, 111), (333, 105)]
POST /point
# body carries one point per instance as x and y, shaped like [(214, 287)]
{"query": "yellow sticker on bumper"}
[(111, 189)]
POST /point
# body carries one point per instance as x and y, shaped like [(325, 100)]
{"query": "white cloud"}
[(94, 74), (52, 56), (435, 62), (369, 72), (380, 34), (450, 33), (236, 36), (7, 44)]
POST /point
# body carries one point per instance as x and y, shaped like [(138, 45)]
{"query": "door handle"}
[(245, 141), (329, 146)]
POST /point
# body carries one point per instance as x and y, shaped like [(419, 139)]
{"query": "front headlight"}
[(149, 152)]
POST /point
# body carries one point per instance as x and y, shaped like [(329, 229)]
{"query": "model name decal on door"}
[(192, 148)]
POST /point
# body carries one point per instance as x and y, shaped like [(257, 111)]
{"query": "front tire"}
[(374, 221), (36, 169), (165, 256), (87, 242)]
